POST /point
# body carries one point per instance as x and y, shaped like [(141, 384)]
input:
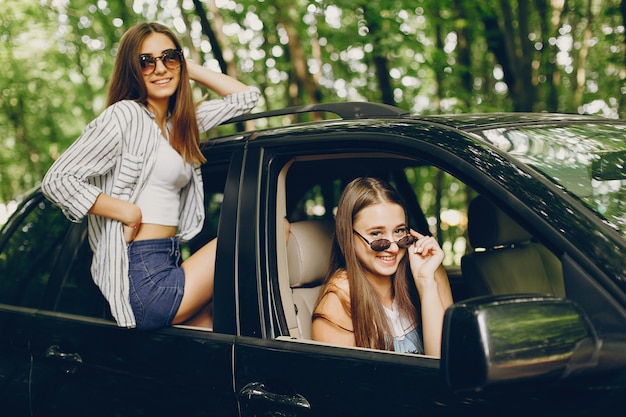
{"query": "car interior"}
[(308, 251), (499, 256), (505, 259), (309, 204)]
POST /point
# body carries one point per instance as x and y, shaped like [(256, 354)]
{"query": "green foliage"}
[(429, 56)]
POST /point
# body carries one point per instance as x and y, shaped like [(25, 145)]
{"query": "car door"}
[(83, 364), (285, 377), (29, 245), (276, 374)]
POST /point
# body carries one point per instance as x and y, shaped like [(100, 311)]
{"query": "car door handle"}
[(54, 352), (256, 391)]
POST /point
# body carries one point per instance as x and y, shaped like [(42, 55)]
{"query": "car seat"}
[(308, 256), (506, 260)]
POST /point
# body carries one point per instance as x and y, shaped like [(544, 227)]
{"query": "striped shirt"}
[(114, 155)]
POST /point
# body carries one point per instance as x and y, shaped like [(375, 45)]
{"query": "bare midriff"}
[(154, 231)]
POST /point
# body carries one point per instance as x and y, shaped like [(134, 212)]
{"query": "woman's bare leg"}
[(203, 318), (196, 306)]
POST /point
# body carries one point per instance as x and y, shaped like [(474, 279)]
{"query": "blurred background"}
[(426, 56)]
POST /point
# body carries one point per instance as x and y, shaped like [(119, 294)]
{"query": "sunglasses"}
[(380, 245), (171, 58)]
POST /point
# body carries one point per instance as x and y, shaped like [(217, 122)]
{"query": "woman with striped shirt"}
[(135, 173)]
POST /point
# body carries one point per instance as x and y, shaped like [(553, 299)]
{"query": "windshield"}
[(587, 160)]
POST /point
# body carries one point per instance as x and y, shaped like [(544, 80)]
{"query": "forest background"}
[(428, 56)]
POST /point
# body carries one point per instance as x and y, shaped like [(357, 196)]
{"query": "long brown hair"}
[(370, 324), (127, 83)]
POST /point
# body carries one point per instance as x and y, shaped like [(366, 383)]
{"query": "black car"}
[(530, 209)]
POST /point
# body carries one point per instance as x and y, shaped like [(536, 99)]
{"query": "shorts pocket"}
[(150, 263)]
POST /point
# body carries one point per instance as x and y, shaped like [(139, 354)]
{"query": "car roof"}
[(360, 112), (485, 121)]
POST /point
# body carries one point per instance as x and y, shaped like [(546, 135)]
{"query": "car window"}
[(214, 180), (30, 252), (587, 160), (438, 202), (34, 249), (79, 294)]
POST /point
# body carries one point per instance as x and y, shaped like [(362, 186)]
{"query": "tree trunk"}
[(581, 72), (622, 74), (381, 62), (527, 82), (464, 54), (303, 81), (216, 39), (213, 36), (513, 51)]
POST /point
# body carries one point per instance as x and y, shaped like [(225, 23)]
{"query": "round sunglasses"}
[(380, 245), (171, 58)]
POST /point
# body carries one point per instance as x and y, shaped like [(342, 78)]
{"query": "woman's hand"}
[(128, 214), (425, 256), (132, 223), (131, 228), (217, 82), (131, 231)]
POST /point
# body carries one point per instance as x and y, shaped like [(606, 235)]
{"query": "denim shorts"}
[(156, 281)]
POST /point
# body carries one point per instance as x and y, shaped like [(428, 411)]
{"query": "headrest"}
[(488, 226), (308, 251)]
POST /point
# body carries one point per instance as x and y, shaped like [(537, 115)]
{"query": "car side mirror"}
[(491, 340)]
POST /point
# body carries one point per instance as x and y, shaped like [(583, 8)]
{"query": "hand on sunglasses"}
[(424, 244), (426, 256)]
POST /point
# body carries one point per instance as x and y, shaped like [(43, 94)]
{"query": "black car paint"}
[(241, 368)]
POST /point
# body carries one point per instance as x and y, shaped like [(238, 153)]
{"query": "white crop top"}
[(159, 200)]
